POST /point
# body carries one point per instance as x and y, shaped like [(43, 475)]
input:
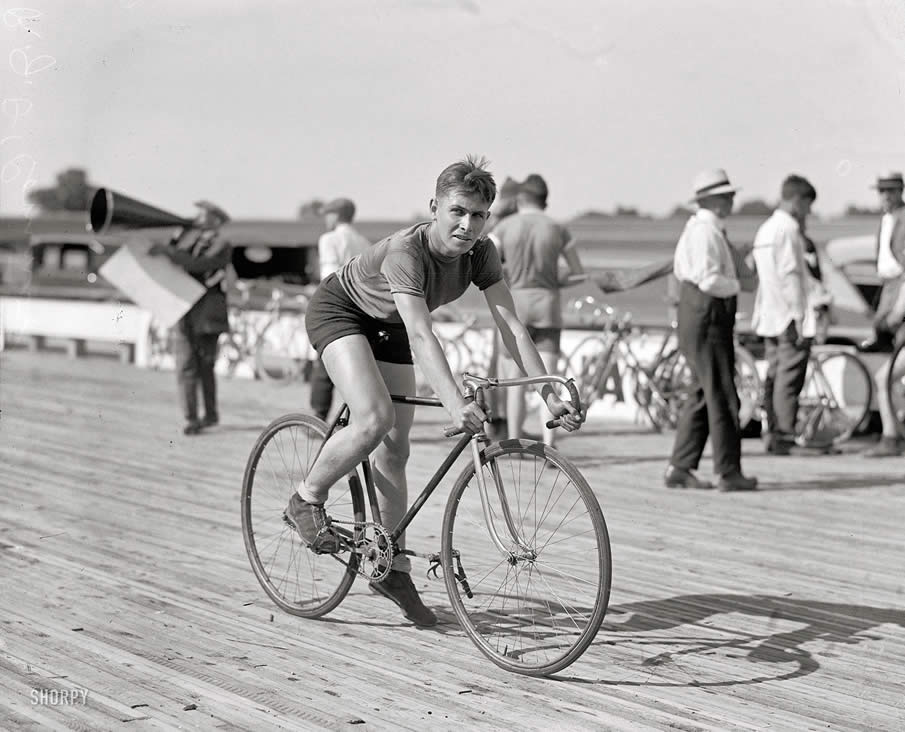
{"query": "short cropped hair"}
[(470, 176), (796, 186)]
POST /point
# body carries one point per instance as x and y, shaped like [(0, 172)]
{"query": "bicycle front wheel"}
[(534, 605), (299, 581), (835, 399)]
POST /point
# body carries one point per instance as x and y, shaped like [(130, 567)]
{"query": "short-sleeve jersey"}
[(404, 263), (531, 244)]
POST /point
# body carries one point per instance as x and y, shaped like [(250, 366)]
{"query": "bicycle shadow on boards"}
[(588, 461), (724, 640), (838, 481)]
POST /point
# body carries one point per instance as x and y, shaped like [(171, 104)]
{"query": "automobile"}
[(62, 265)]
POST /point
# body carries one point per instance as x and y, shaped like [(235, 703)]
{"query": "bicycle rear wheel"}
[(283, 351), (895, 387), (536, 608), (299, 581), (835, 399)]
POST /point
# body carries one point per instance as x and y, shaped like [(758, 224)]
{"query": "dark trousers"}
[(195, 357), (321, 390), (706, 325), (787, 365)]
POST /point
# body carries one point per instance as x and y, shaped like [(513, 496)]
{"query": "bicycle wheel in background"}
[(283, 351), (895, 387), (749, 386), (589, 367), (673, 378), (299, 581), (835, 399), (535, 608)]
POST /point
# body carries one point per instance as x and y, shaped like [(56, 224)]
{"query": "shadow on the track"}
[(720, 640)]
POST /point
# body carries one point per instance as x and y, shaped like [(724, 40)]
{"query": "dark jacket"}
[(205, 256)]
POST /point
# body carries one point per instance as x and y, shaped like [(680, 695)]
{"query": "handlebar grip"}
[(574, 398)]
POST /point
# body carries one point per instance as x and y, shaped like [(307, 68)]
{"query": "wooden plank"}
[(124, 574)]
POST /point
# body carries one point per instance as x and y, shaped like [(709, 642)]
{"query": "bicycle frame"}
[(475, 387)]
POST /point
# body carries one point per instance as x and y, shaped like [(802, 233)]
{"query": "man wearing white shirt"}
[(782, 309), (704, 264), (337, 246), (891, 306)]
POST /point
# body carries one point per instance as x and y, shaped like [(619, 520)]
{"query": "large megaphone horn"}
[(109, 208)]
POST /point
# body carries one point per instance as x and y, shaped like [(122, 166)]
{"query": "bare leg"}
[(391, 455), (549, 435), (351, 365), (886, 416)]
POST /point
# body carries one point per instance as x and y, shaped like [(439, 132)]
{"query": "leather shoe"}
[(192, 428), (886, 447), (210, 421), (681, 478), (736, 482)]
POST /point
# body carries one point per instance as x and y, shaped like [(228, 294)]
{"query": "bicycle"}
[(673, 374), (827, 415), (596, 356), (276, 341), (532, 599)]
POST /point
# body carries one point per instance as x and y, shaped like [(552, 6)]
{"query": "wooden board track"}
[(123, 574)]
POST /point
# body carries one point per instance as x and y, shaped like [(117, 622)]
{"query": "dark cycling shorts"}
[(545, 339), (332, 315)]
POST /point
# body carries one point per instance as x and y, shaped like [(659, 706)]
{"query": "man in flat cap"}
[(204, 255), (337, 246), (704, 265), (890, 312)]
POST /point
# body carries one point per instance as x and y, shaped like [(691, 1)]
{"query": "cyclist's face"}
[(460, 219)]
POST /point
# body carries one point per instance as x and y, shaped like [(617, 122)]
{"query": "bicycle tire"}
[(673, 377), (895, 387), (298, 581), (565, 619), (282, 349), (826, 415), (748, 385)]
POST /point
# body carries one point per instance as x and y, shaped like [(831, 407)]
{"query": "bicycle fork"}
[(524, 550)]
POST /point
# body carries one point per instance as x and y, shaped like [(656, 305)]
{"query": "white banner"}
[(153, 283)]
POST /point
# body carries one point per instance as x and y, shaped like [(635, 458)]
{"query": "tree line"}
[(73, 191)]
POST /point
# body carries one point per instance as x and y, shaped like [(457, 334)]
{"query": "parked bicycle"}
[(833, 404), (274, 341), (595, 361), (525, 554)]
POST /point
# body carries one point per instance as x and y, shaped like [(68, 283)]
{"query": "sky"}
[(262, 105)]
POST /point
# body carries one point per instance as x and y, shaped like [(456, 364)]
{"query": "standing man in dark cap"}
[(200, 251), (890, 313), (704, 265), (337, 246), (530, 245)]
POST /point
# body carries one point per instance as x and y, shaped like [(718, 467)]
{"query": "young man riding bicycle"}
[(367, 323)]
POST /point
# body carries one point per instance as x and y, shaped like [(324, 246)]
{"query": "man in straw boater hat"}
[(204, 255), (890, 312), (704, 264)]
